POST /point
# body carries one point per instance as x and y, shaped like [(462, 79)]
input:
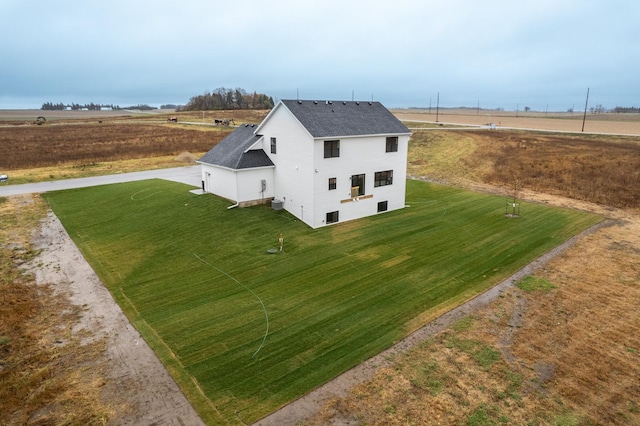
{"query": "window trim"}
[(333, 183), (332, 148), (391, 144), (383, 178), (331, 215), (361, 186)]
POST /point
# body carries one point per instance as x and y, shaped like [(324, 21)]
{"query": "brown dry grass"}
[(47, 375), (565, 354), (88, 144), (598, 169), (568, 355)]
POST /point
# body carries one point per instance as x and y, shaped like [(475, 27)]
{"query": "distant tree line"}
[(223, 98), (620, 109), (50, 106), (142, 107)]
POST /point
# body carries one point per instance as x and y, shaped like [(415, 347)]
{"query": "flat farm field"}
[(75, 144), (605, 123), (595, 168), (245, 332)]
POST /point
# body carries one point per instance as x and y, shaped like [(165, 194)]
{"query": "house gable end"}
[(273, 112)]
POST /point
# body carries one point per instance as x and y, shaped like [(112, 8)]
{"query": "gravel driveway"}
[(189, 175)]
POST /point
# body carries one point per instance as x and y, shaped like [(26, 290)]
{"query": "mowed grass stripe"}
[(335, 297)]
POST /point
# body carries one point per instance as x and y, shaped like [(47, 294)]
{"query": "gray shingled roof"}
[(324, 119), (230, 152)]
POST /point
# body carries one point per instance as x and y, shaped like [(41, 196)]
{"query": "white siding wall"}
[(301, 175), (294, 174), (238, 186), (219, 181), (361, 155), (249, 184)]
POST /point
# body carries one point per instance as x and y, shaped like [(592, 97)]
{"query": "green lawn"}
[(243, 331)]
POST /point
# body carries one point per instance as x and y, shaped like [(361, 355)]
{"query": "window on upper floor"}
[(357, 185), (392, 144), (383, 178), (332, 217), (331, 149), (333, 183), (273, 145)]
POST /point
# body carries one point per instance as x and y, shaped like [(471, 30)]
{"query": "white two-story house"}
[(322, 161)]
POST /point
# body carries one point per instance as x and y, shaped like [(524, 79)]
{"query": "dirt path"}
[(140, 385), (339, 387), (593, 124), (137, 383)]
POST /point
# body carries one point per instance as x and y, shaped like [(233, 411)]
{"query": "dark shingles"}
[(324, 119), (230, 152)]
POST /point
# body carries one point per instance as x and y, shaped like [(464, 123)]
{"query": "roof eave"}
[(361, 136)]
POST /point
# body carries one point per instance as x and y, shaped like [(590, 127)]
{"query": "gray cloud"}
[(499, 53)]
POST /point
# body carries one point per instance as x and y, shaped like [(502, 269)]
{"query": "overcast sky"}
[(498, 53)]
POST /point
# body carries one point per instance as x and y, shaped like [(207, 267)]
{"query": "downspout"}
[(237, 192)]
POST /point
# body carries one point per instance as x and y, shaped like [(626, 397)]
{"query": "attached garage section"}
[(238, 169)]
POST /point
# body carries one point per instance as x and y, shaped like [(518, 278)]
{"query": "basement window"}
[(382, 206), (332, 217)]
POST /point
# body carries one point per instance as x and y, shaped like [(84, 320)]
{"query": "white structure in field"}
[(324, 162)]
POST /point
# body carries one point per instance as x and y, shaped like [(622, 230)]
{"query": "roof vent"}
[(357, 103), (329, 103), (370, 103), (299, 102), (344, 103), (315, 102)]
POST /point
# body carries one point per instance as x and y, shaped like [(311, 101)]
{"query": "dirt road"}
[(138, 383), (597, 124)]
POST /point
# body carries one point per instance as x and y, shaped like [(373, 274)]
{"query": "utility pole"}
[(438, 107), (584, 117)]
